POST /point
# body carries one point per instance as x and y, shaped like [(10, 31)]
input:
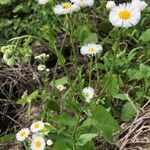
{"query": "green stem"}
[(25, 145), (29, 111), (75, 131), (90, 71)]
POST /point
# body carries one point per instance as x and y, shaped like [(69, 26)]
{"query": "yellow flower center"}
[(22, 134), (36, 125), (66, 5), (38, 144), (124, 14), (91, 50)]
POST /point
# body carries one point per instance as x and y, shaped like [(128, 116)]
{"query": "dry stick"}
[(11, 119)]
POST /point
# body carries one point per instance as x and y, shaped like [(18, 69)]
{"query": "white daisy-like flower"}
[(66, 8), (91, 49), (110, 5), (37, 126), (22, 134), (83, 3), (49, 142), (42, 2), (60, 87), (38, 143), (124, 15), (41, 67), (88, 93), (141, 5)]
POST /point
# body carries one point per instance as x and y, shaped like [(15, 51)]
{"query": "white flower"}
[(124, 15), (66, 8), (38, 143), (42, 2), (41, 67), (49, 142), (60, 87), (141, 5), (88, 93), (37, 126), (22, 134), (42, 56), (83, 3), (110, 5), (91, 49)]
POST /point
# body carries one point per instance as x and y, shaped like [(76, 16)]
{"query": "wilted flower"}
[(124, 15), (42, 2), (66, 8), (91, 49), (37, 126), (141, 5), (49, 142), (83, 3), (60, 87), (22, 134), (41, 67), (110, 5), (42, 56), (88, 93), (38, 143)]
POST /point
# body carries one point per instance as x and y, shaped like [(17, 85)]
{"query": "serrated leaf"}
[(145, 37), (85, 138), (128, 111), (92, 38), (28, 98), (107, 125), (7, 138)]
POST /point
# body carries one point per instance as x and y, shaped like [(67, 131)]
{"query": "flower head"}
[(66, 8), (110, 5), (37, 126), (38, 143), (42, 2), (88, 93), (49, 142), (83, 3), (22, 134), (41, 67), (124, 15), (141, 5), (91, 49)]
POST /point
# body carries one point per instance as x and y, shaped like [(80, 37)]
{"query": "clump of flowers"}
[(91, 49), (35, 135), (88, 93)]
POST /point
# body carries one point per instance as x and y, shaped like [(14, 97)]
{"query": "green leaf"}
[(85, 138), (92, 38), (107, 125), (144, 70), (111, 84), (59, 145), (145, 37), (65, 120), (128, 111), (62, 81), (61, 59), (121, 96), (28, 98), (7, 138)]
